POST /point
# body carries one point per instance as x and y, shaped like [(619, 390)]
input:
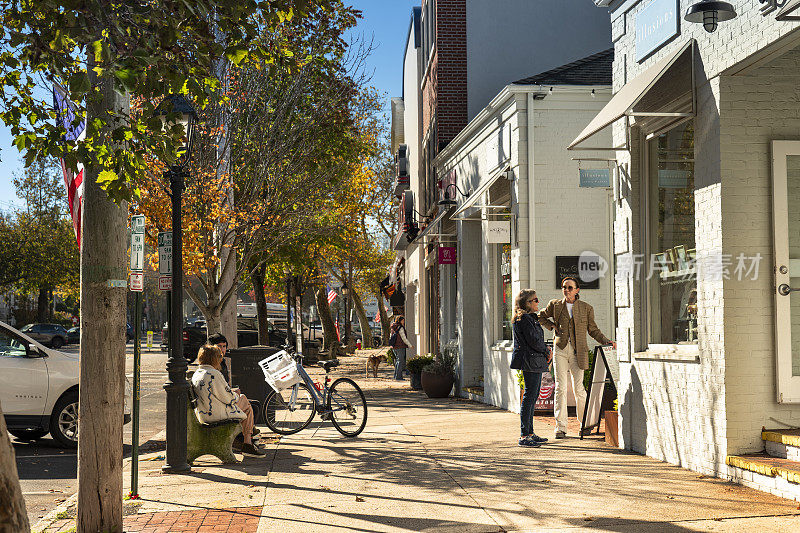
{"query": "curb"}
[(47, 520)]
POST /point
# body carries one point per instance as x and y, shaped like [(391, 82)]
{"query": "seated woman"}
[(216, 401)]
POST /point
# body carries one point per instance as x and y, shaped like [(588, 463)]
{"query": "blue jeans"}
[(399, 362), (533, 382)]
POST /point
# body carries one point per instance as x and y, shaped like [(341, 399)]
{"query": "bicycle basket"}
[(280, 370)]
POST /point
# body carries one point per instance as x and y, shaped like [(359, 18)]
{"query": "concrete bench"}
[(214, 438)]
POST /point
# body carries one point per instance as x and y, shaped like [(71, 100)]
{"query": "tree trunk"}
[(261, 304), (13, 515), (384, 319), (102, 343), (363, 320), (41, 305), (324, 310)]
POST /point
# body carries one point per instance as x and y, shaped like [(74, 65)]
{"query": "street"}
[(48, 472)]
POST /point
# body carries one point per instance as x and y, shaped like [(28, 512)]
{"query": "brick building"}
[(706, 131)]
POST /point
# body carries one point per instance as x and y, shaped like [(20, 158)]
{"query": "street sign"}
[(137, 281), (165, 283), (137, 243), (165, 253)]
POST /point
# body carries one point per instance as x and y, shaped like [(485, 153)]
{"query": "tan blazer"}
[(556, 317)]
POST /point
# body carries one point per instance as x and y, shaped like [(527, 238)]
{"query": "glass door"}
[(786, 232)]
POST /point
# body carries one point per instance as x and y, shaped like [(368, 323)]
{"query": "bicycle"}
[(292, 409)]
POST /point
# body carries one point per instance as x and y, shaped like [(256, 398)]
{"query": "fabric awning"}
[(659, 97), (475, 196), (430, 228), (787, 12)]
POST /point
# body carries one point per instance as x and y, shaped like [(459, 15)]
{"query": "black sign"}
[(568, 265)]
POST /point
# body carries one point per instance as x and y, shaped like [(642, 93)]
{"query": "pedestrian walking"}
[(532, 356), (399, 343), (571, 318)]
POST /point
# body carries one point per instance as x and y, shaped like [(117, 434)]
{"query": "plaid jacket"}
[(556, 317)]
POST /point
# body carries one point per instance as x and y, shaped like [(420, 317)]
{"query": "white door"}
[(786, 233), (23, 379)]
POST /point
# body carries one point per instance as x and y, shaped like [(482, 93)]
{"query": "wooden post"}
[(102, 344)]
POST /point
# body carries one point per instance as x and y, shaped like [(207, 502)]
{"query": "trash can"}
[(247, 375)]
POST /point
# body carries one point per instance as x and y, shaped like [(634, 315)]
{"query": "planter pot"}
[(416, 380), (437, 385), (612, 428)]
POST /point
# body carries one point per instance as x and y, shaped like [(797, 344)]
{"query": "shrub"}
[(417, 363), (445, 363)]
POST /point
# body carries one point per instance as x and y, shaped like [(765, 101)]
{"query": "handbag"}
[(393, 339), (517, 360)]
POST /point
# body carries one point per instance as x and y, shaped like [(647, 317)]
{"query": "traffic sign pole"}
[(137, 285)]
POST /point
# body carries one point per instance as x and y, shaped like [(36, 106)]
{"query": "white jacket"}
[(215, 400)]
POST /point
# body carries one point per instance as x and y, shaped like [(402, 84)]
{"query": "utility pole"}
[(102, 344)]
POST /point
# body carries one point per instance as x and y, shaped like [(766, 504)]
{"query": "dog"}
[(373, 362)]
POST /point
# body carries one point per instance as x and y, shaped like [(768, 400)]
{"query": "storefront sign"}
[(673, 179), (655, 24), (498, 232), (447, 255), (569, 265), (595, 177)]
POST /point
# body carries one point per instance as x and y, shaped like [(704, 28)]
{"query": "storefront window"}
[(505, 283), (672, 276)]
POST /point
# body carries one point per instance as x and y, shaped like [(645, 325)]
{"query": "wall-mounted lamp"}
[(448, 200), (710, 14)]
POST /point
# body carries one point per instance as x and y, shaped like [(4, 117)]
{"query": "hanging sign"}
[(595, 177), (673, 179), (447, 255), (655, 24), (498, 232)]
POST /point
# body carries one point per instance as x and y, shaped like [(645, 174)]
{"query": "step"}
[(759, 471), (782, 443)]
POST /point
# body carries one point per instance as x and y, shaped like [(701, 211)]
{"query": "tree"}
[(13, 513), (101, 51)]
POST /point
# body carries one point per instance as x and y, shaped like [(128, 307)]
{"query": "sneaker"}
[(238, 442), (561, 434), (537, 438), (528, 442), (252, 451), (255, 432)]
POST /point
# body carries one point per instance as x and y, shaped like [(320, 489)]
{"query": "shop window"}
[(505, 288), (671, 276)]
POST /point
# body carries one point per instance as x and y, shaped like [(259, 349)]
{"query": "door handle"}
[(785, 290)]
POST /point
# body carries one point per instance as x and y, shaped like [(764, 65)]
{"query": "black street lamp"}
[(176, 110), (346, 294)]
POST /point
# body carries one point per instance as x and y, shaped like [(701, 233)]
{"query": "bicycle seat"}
[(327, 365)]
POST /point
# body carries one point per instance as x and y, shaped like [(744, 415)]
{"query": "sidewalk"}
[(440, 465)]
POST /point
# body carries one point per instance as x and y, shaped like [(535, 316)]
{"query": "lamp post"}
[(288, 275), (346, 294), (176, 110)]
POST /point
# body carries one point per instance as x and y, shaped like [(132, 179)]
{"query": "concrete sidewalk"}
[(440, 465)]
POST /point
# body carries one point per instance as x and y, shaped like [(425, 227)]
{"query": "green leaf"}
[(78, 85), (236, 54), (127, 77)]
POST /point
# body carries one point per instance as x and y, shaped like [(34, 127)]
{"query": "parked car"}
[(247, 335), (74, 335), (129, 333), (312, 336), (39, 389), (53, 335)]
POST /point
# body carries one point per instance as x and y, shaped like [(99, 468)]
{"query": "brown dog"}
[(373, 361)]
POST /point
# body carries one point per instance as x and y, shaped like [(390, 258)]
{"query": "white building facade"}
[(706, 126)]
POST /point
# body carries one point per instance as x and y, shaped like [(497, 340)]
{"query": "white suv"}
[(39, 389)]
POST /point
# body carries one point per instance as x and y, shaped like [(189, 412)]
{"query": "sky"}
[(384, 21)]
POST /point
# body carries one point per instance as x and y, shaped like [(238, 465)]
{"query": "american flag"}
[(332, 295), (338, 336), (66, 112), (377, 316)]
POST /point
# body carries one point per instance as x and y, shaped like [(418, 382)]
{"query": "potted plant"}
[(415, 366), (612, 425), (439, 376)]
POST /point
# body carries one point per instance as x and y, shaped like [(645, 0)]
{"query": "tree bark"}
[(261, 304), (102, 343), (41, 305), (324, 310), (384, 319), (13, 515), (363, 320)]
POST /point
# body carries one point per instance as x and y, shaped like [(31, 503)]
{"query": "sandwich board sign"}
[(603, 376)]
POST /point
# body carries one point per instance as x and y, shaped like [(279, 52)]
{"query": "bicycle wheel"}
[(286, 419), (348, 407)]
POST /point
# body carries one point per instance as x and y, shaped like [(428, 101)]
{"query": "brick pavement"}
[(231, 520)]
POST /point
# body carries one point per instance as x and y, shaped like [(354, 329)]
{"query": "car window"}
[(10, 346), (27, 327)]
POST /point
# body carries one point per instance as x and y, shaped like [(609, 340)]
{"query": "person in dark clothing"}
[(532, 356)]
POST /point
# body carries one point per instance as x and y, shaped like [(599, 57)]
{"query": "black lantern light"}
[(176, 110), (448, 200), (710, 14)]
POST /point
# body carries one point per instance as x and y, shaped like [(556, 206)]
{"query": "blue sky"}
[(385, 21)]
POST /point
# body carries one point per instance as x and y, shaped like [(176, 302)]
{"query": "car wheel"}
[(27, 434), (57, 342), (64, 420)]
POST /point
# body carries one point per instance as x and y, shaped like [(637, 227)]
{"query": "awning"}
[(430, 228), (787, 12), (660, 97), (475, 196)]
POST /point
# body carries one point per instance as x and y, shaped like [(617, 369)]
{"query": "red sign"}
[(165, 283), (447, 255), (547, 393), (137, 281)]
